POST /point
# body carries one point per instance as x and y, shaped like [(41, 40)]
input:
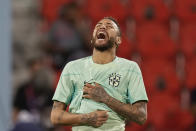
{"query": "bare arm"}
[(136, 112), (59, 116)]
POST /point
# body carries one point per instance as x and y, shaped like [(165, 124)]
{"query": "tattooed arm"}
[(136, 112), (59, 116)]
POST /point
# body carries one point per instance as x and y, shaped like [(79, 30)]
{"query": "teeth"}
[(101, 35), (101, 32)]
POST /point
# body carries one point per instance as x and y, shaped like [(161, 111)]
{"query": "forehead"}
[(107, 22)]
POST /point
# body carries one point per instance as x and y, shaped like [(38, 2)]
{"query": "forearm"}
[(59, 115), (131, 112), (62, 117), (136, 112)]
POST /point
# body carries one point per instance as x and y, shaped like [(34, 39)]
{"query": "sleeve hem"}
[(132, 102), (60, 100)]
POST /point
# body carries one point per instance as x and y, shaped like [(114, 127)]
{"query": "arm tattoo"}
[(59, 110), (136, 112), (89, 119), (98, 94), (60, 116), (59, 105)]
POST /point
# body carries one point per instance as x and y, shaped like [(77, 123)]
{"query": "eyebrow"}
[(102, 23), (99, 23), (109, 23)]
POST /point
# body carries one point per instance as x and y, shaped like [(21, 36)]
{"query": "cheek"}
[(112, 34), (94, 33)]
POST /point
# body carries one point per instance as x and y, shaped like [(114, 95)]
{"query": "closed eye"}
[(109, 26), (97, 26)]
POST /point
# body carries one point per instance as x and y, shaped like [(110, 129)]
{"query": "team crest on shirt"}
[(114, 79)]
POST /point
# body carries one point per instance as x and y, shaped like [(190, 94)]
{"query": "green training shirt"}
[(121, 79)]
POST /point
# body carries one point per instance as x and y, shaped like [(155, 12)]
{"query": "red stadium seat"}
[(67, 128), (153, 41), (164, 113), (57, 77), (160, 75), (188, 40), (97, 9), (186, 10), (125, 49), (191, 73), (134, 127), (160, 105), (50, 8), (149, 10), (184, 119)]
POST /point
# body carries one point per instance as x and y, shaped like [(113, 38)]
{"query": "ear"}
[(118, 40)]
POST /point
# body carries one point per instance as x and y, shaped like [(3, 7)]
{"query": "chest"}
[(113, 79)]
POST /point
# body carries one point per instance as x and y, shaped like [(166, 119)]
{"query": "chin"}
[(104, 46)]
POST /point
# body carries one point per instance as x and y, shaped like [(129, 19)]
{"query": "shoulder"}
[(77, 63), (130, 66), (126, 62)]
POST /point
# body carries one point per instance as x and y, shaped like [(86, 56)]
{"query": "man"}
[(103, 90)]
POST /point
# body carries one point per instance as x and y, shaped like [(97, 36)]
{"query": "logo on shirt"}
[(114, 79)]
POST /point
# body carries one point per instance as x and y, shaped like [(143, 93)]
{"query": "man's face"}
[(105, 34)]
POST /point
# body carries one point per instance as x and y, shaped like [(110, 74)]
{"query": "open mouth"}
[(101, 35)]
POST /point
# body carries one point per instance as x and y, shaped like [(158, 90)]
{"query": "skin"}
[(113, 32), (59, 116), (136, 112)]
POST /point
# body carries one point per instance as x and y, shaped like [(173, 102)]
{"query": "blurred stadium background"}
[(39, 37)]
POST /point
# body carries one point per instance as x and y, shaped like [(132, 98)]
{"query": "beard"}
[(110, 43)]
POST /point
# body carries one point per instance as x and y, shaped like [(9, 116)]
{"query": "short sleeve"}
[(136, 88), (65, 87)]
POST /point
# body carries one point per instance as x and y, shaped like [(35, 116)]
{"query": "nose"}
[(102, 26)]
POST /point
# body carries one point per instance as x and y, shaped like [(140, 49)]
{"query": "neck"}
[(103, 57)]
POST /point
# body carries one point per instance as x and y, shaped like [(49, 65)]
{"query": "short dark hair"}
[(115, 21)]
